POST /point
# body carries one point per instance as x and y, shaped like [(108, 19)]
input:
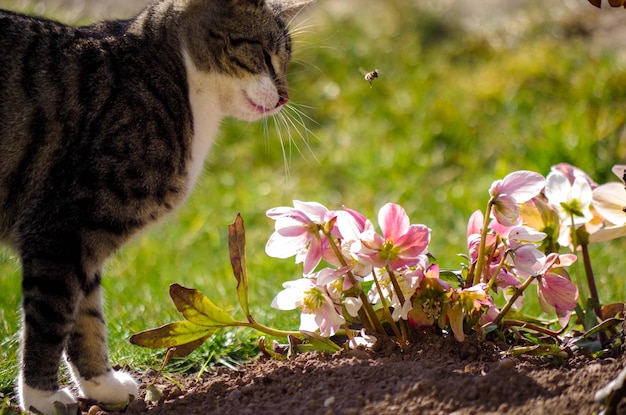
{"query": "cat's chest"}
[(206, 115), (205, 129)]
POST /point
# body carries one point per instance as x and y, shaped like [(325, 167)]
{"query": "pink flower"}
[(297, 232), (520, 242), (401, 244), (554, 289), (350, 225), (474, 230), (509, 193), (430, 303)]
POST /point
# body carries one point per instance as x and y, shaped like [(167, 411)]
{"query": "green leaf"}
[(183, 334), (606, 325), (320, 343), (237, 249), (539, 350), (590, 316), (153, 394), (452, 276), (518, 315), (198, 309)]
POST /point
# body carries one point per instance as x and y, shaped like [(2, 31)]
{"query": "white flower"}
[(571, 200), (318, 310), (610, 201)]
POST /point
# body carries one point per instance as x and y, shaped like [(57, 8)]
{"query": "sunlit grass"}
[(451, 112)]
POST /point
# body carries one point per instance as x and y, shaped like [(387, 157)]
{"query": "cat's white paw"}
[(112, 388), (43, 401)]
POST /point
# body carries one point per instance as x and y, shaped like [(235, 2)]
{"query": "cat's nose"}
[(283, 98)]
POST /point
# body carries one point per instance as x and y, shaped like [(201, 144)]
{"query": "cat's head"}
[(239, 50)]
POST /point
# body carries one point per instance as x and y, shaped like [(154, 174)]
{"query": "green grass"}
[(451, 112)]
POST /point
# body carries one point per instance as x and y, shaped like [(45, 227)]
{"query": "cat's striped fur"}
[(103, 130)]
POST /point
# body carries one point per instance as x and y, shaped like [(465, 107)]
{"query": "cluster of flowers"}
[(353, 272)]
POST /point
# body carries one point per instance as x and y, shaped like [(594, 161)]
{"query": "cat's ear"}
[(287, 9)]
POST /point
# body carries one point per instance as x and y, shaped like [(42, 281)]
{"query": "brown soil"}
[(435, 375)]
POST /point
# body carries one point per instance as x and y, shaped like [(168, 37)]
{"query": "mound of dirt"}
[(434, 375)]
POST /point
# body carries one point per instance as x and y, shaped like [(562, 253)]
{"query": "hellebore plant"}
[(362, 282)]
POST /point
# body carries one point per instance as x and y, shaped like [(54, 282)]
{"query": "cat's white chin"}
[(257, 111), (258, 98)]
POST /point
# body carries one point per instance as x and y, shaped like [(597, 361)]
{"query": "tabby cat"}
[(103, 130)]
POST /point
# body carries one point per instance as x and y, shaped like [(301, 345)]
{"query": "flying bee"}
[(370, 76)]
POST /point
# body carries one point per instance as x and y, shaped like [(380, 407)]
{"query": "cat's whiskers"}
[(292, 118), (306, 67), (282, 146), (266, 133), (295, 28)]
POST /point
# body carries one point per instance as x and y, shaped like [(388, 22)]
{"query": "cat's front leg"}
[(87, 355), (49, 290)]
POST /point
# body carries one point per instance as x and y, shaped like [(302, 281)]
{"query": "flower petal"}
[(559, 292), (353, 305), (414, 241), (313, 210), (557, 188), (313, 255), (475, 223), (393, 221), (609, 200), (279, 246), (620, 171), (506, 210), (608, 234), (521, 185), (455, 315)]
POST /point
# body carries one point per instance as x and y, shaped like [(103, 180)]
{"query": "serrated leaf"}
[(181, 334), (237, 250), (320, 343), (198, 309)]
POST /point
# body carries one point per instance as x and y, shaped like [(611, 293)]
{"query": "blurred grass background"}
[(465, 96)]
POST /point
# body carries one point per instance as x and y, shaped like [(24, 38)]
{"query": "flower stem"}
[(534, 327), (500, 265), (512, 300), (269, 330), (366, 313), (581, 288), (478, 271), (396, 286), (591, 282), (385, 309)]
